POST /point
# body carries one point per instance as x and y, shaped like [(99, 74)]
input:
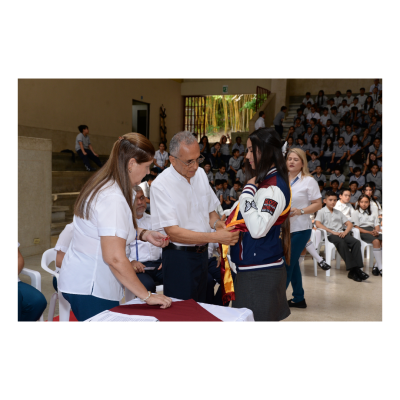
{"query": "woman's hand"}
[(253, 181), (156, 238), (137, 266), (294, 211), (159, 299)]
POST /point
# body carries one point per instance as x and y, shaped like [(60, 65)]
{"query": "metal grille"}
[(194, 115), (261, 96)]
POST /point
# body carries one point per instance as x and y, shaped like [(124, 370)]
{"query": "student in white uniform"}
[(376, 85), (338, 98), (343, 205), (161, 158), (362, 97), (307, 99), (144, 256), (321, 100), (354, 193), (370, 230), (349, 248), (96, 267), (260, 123), (306, 200), (376, 208), (31, 302)]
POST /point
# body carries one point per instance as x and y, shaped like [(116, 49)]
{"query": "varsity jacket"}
[(263, 210)]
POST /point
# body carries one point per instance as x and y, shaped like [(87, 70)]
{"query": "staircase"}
[(68, 179)]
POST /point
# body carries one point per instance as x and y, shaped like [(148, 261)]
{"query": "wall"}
[(299, 87), (34, 194), (53, 108), (204, 87)]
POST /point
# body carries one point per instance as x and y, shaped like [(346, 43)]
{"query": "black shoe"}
[(300, 304), (324, 265), (375, 271), (362, 274), (353, 275)]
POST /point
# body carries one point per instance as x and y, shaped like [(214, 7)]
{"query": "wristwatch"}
[(302, 211)]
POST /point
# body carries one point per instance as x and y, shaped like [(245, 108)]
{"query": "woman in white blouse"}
[(306, 200), (96, 267)]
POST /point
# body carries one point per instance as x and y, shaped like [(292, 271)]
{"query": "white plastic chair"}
[(330, 252), (36, 281), (312, 238), (64, 307), (365, 246)]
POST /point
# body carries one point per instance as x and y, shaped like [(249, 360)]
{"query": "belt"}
[(192, 249)]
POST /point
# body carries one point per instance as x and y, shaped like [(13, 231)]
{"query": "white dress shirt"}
[(145, 188), (338, 101), (146, 250), (175, 201), (361, 99), (303, 192), (260, 123), (161, 158), (305, 101), (346, 209), (313, 115), (84, 270)]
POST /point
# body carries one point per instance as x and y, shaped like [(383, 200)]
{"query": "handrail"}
[(260, 96)]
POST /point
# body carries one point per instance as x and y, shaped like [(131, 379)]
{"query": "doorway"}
[(140, 117)]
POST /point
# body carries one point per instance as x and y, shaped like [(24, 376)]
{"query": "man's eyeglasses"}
[(189, 164)]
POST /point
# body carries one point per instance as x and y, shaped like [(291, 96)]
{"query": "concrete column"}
[(34, 194)]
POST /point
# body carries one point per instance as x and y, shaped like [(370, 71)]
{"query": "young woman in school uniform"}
[(264, 205), (96, 268), (30, 302), (376, 208), (368, 224), (306, 200), (161, 158)]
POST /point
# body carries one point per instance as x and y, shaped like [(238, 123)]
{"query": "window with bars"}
[(194, 114)]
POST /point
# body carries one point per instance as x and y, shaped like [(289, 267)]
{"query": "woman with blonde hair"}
[(306, 200), (96, 268)]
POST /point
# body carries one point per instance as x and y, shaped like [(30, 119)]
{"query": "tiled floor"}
[(334, 298)]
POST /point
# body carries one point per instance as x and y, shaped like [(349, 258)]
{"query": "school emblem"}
[(248, 205), (269, 206)]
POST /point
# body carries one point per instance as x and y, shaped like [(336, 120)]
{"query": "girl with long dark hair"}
[(264, 242), (205, 148)]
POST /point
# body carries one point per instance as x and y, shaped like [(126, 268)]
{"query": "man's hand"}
[(95, 154), (84, 152), (225, 236), (342, 234), (335, 233), (156, 238), (159, 267), (137, 266)]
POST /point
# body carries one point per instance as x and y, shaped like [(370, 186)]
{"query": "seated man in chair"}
[(145, 257)]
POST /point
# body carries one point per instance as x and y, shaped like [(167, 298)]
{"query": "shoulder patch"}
[(269, 206), (250, 204)]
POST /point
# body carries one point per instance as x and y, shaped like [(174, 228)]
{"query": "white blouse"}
[(83, 269), (161, 158), (364, 220), (303, 192)]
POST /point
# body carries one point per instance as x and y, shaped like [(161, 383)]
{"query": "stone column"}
[(34, 194)]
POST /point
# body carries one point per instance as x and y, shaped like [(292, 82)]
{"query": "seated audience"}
[(354, 193), (161, 158), (355, 155), (216, 156), (234, 164), (340, 152), (334, 188), (221, 174), (235, 192), (349, 248), (338, 98), (327, 155), (358, 178), (241, 175), (307, 99), (84, 148), (313, 163), (318, 175), (375, 176), (370, 230), (376, 148), (338, 176), (31, 302), (209, 173), (362, 97), (226, 154), (238, 146), (145, 258)]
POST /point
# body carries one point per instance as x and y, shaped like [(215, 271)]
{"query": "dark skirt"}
[(366, 237), (263, 292)]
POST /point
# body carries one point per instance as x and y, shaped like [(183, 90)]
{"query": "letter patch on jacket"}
[(269, 206), (248, 205)]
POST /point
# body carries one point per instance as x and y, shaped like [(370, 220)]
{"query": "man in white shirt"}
[(260, 123), (376, 85), (183, 204), (338, 98), (313, 114), (308, 99), (145, 257), (362, 97)]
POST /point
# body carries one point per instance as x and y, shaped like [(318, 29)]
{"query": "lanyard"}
[(294, 181), (137, 249)]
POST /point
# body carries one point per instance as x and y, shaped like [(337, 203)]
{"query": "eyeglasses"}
[(199, 161)]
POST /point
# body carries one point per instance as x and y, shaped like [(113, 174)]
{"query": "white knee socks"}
[(378, 257), (310, 248)]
